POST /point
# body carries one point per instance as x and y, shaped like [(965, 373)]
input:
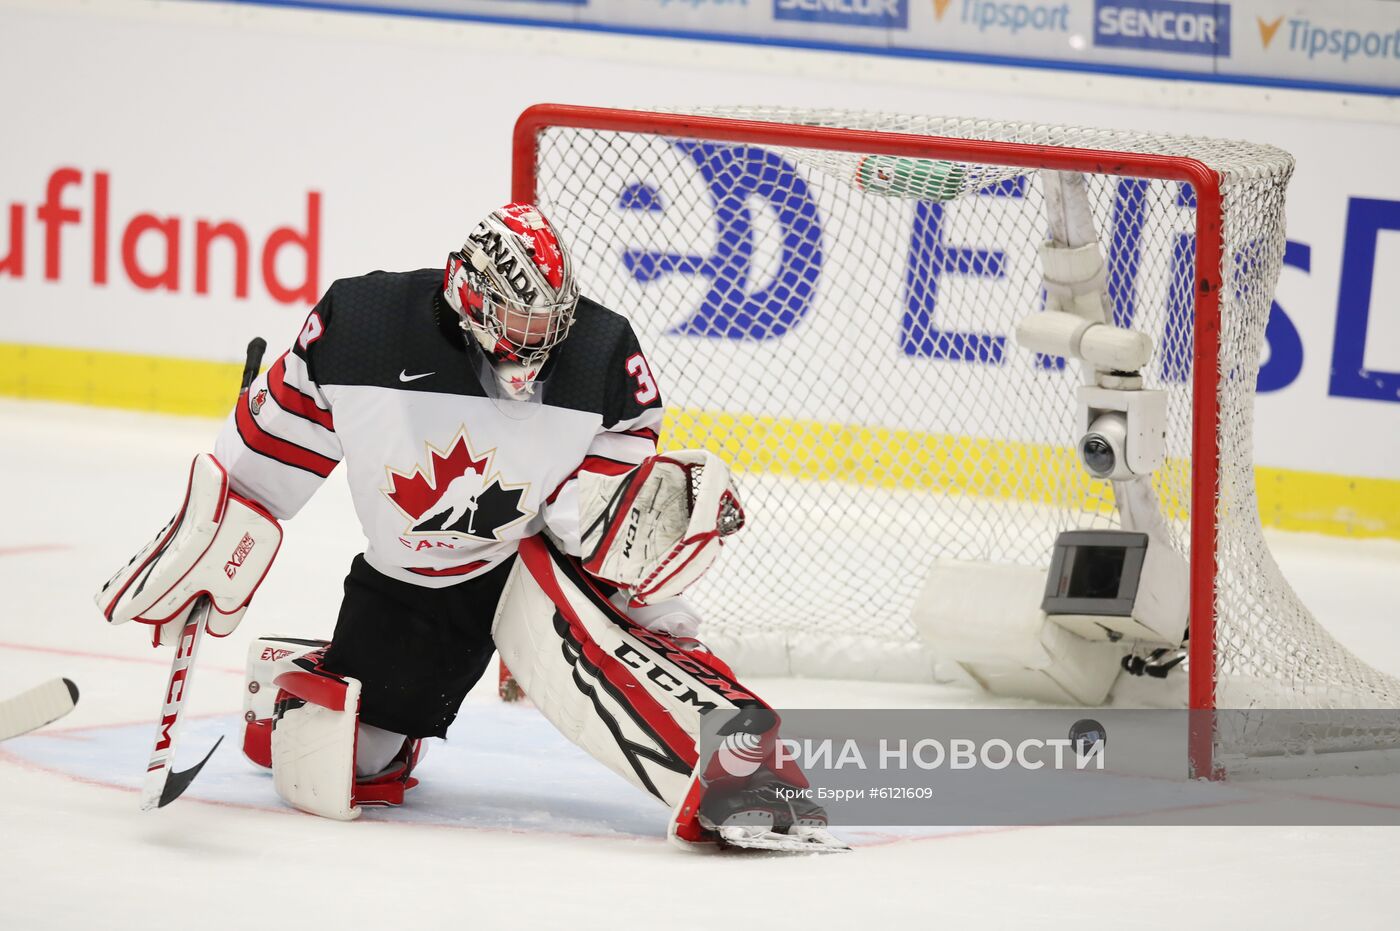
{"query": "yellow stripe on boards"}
[(804, 449), (117, 379), (879, 457), (1319, 502)]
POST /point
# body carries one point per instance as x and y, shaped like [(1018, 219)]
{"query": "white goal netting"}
[(839, 326)]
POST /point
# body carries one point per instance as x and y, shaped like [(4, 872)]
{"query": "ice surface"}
[(512, 825)]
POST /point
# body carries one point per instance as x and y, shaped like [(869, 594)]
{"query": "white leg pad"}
[(313, 754), (628, 696)]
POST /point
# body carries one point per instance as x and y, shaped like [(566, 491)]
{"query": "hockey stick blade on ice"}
[(36, 707), (177, 782), (163, 784)]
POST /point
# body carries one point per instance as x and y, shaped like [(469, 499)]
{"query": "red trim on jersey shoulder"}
[(290, 454), (294, 401), (642, 432), (454, 570), (602, 465)]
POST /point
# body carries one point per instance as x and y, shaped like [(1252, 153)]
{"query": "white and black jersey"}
[(445, 479)]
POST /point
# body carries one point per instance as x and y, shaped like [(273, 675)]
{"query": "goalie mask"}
[(513, 285)]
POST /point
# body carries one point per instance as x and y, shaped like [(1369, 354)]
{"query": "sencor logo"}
[(883, 14), (1183, 26)]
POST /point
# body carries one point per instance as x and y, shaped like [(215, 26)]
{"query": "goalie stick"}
[(163, 784), (36, 707)]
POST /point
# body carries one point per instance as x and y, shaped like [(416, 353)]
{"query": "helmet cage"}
[(493, 315)]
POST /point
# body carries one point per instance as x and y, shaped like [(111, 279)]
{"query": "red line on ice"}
[(157, 660), (36, 548)]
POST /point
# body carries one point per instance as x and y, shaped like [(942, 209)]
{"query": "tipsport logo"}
[(1304, 37), (1181, 26), (881, 14), (1011, 18)]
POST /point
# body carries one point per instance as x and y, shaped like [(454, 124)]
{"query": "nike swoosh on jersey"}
[(404, 376)]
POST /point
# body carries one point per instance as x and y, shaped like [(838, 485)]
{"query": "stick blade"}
[(37, 707), (177, 782)]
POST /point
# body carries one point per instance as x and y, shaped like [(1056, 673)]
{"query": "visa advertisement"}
[(175, 220)]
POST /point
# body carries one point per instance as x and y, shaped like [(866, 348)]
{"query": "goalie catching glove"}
[(655, 530), (219, 544)]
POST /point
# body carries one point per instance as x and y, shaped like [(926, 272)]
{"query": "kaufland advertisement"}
[(181, 218)]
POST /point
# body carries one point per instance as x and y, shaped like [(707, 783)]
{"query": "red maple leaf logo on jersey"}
[(454, 494)]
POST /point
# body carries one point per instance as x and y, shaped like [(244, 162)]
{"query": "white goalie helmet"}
[(513, 285)]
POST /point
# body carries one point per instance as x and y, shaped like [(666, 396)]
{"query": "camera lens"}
[(1098, 455)]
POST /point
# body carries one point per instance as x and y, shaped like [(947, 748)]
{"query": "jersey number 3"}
[(646, 385), (311, 332)]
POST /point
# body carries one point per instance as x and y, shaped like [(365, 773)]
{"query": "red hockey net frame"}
[(1207, 277)]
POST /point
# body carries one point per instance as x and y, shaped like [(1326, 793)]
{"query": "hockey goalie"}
[(500, 436)]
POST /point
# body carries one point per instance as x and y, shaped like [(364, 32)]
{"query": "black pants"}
[(416, 651)]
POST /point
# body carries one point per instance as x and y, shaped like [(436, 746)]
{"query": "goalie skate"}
[(756, 817), (797, 839)]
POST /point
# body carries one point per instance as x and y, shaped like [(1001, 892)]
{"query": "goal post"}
[(828, 299)]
